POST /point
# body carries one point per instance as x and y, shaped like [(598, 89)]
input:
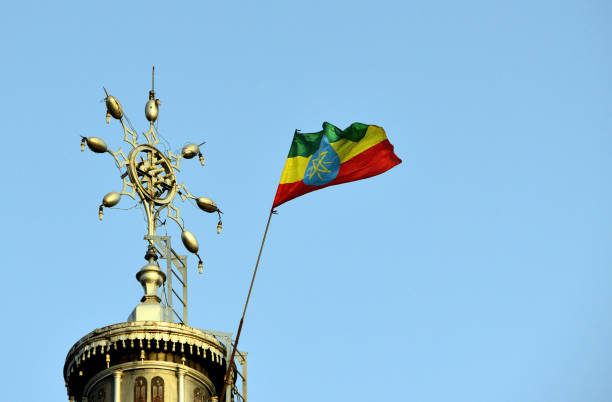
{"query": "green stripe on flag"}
[(306, 144)]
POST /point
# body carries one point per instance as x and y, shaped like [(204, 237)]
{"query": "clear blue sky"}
[(477, 270)]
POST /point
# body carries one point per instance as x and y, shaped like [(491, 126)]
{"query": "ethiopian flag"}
[(333, 156)]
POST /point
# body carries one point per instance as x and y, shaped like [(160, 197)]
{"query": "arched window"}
[(157, 389), (101, 397), (140, 390), (198, 395)]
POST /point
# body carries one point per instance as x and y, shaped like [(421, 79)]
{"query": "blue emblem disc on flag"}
[(323, 165)]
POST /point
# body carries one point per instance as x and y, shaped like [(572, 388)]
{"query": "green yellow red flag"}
[(334, 156), (317, 160)]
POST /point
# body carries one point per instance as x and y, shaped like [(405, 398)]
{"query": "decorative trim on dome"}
[(163, 336)]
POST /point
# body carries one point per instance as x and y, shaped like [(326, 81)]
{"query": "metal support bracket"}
[(174, 263), (241, 358)]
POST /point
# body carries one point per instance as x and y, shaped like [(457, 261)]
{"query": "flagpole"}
[(235, 346)]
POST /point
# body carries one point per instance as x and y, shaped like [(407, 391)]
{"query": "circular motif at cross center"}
[(151, 173)]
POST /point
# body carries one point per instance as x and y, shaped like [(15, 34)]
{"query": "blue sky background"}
[(477, 270)]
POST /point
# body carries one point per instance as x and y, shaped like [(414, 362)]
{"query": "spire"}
[(151, 357), (151, 277)]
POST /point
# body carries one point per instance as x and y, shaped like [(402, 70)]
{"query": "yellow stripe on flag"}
[(294, 169), (348, 149)]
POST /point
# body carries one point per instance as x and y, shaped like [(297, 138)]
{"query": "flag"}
[(333, 156)]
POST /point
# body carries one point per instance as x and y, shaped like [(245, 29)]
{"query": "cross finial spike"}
[(152, 91)]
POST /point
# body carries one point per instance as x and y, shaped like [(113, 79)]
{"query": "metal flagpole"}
[(231, 361)]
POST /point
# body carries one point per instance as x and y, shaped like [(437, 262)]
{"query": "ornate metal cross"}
[(149, 174)]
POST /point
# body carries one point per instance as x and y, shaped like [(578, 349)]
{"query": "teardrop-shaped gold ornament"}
[(97, 145), (190, 241), (111, 199), (206, 204)]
